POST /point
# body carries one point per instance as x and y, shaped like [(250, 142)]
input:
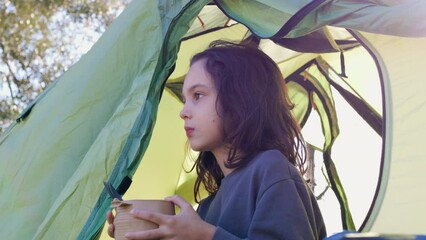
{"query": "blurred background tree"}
[(40, 39)]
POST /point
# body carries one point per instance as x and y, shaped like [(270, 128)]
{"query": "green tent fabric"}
[(96, 121)]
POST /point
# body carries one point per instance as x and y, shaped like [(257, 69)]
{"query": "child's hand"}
[(110, 220), (186, 225)]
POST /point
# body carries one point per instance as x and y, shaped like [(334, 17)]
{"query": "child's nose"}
[(184, 113)]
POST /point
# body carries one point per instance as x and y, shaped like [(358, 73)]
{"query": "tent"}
[(113, 116)]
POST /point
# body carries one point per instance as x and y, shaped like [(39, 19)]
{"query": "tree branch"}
[(15, 79), (9, 84)]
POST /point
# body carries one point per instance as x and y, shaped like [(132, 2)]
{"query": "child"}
[(237, 115)]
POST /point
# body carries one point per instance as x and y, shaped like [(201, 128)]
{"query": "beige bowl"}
[(125, 222)]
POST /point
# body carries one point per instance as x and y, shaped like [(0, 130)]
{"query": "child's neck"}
[(221, 156)]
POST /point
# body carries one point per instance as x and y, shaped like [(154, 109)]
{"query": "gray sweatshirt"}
[(266, 199)]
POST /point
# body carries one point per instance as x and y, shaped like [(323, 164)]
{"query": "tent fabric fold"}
[(302, 17)]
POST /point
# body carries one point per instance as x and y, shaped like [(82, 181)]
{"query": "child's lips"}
[(189, 131)]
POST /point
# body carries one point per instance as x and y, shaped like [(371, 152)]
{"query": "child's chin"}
[(196, 147)]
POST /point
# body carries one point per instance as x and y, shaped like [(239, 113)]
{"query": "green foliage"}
[(39, 40)]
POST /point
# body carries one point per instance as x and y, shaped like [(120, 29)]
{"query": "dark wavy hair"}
[(255, 109)]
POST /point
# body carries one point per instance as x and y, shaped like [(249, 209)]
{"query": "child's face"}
[(203, 126)]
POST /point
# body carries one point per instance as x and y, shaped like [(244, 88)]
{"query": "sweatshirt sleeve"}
[(283, 211), (222, 234)]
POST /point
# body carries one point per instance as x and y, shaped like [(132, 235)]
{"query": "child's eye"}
[(197, 95)]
